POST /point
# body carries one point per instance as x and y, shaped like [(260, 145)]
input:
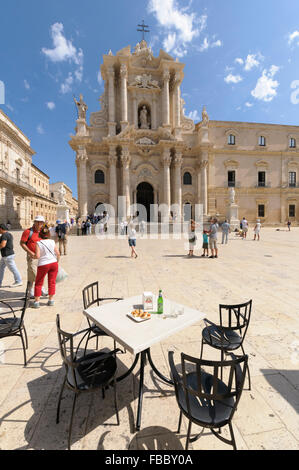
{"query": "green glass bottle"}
[(160, 302)]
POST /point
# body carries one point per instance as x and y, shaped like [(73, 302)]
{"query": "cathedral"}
[(140, 145)]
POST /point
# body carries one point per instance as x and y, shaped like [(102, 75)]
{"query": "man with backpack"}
[(61, 232), (28, 242)]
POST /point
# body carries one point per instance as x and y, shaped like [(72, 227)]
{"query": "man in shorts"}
[(28, 242), (244, 227), (213, 238)]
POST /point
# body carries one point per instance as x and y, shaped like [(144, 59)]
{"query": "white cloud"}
[(252, 60), (63, 48), (240, 61), (40, 129), (64, 51), (294, 36), (206, 44), (248, 105), (26, 85), (230, 78), (266, 87), (50, 105), (194, 116), (181, 24), (66, 86)]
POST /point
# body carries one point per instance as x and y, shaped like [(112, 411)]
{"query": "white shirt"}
[(132, 234), (244, 223), (47, 253)]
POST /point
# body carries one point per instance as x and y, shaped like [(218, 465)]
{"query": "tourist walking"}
[(213, 238), (205, 244), (289, 225), (225, 227), (244, 227), (8, 256), (257, 229), (28, 242), (132, 239), (48, 256), (192, 237), (142, 227), (61, 232)]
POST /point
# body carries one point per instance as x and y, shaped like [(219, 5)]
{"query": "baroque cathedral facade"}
[(140, 145)]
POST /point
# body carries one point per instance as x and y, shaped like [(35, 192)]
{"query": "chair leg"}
[(26, 338), (248, 372), (180, 422), (59, 401), (222, 358), (232, 436), (97, 343), (188, 435), (202, 343), (24, 348), (115, 401), (71, 422)]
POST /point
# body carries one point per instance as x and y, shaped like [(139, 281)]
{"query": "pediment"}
[(231, 163), (145, 141), (262, 163)]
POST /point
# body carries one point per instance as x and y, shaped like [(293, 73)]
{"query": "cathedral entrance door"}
[(145, 196)]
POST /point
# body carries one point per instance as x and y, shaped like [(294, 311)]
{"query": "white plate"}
[(138, 319)]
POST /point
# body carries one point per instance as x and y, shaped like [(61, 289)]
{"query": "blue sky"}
[(241, 62)]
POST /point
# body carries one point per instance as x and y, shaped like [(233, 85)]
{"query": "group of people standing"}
[(39, 244)]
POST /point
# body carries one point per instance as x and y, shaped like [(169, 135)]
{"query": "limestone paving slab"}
[(266, 271)]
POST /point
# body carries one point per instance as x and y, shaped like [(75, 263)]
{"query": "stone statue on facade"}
[(82, 107), (144, 118), (205, 117)]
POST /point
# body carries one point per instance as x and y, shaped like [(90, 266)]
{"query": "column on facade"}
[(166, 161), (124, 94), (111, 100), (126, 160), (154, 112), (178, 160), (204, 186), (112, 158), (177, 101), (81, 162), (166, 108), (135, 110)]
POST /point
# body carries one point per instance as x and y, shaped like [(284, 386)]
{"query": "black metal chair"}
[(204, 398), (230, 334), (10, 324), (83, 374), (91, 297)]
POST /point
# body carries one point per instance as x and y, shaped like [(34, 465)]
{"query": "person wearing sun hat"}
[(28, 242)]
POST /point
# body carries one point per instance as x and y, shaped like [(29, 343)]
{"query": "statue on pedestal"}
[(232, 194), (82, 108), (61, 194)]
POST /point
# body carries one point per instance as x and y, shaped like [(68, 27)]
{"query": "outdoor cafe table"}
[(137, 338)]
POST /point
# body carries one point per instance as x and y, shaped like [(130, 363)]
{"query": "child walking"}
[(205, 244)]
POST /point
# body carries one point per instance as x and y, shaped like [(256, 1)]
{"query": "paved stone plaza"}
[(267, 416)]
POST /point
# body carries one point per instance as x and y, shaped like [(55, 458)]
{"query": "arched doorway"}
[(187, 211), (145, 196)]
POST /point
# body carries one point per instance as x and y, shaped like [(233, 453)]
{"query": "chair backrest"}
[(66, 346), (91, 295), (206, 385), (236, 317)]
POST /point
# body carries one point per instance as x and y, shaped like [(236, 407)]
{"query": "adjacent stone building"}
[(140, 145), (24, 188)]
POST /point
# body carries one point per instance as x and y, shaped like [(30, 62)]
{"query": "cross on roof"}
[(143, 30)]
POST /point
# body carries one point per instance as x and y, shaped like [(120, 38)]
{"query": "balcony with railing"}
[(16, 181)]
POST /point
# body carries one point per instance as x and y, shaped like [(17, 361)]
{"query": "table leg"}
[(129, 371), (141, 383), (162, 377)]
